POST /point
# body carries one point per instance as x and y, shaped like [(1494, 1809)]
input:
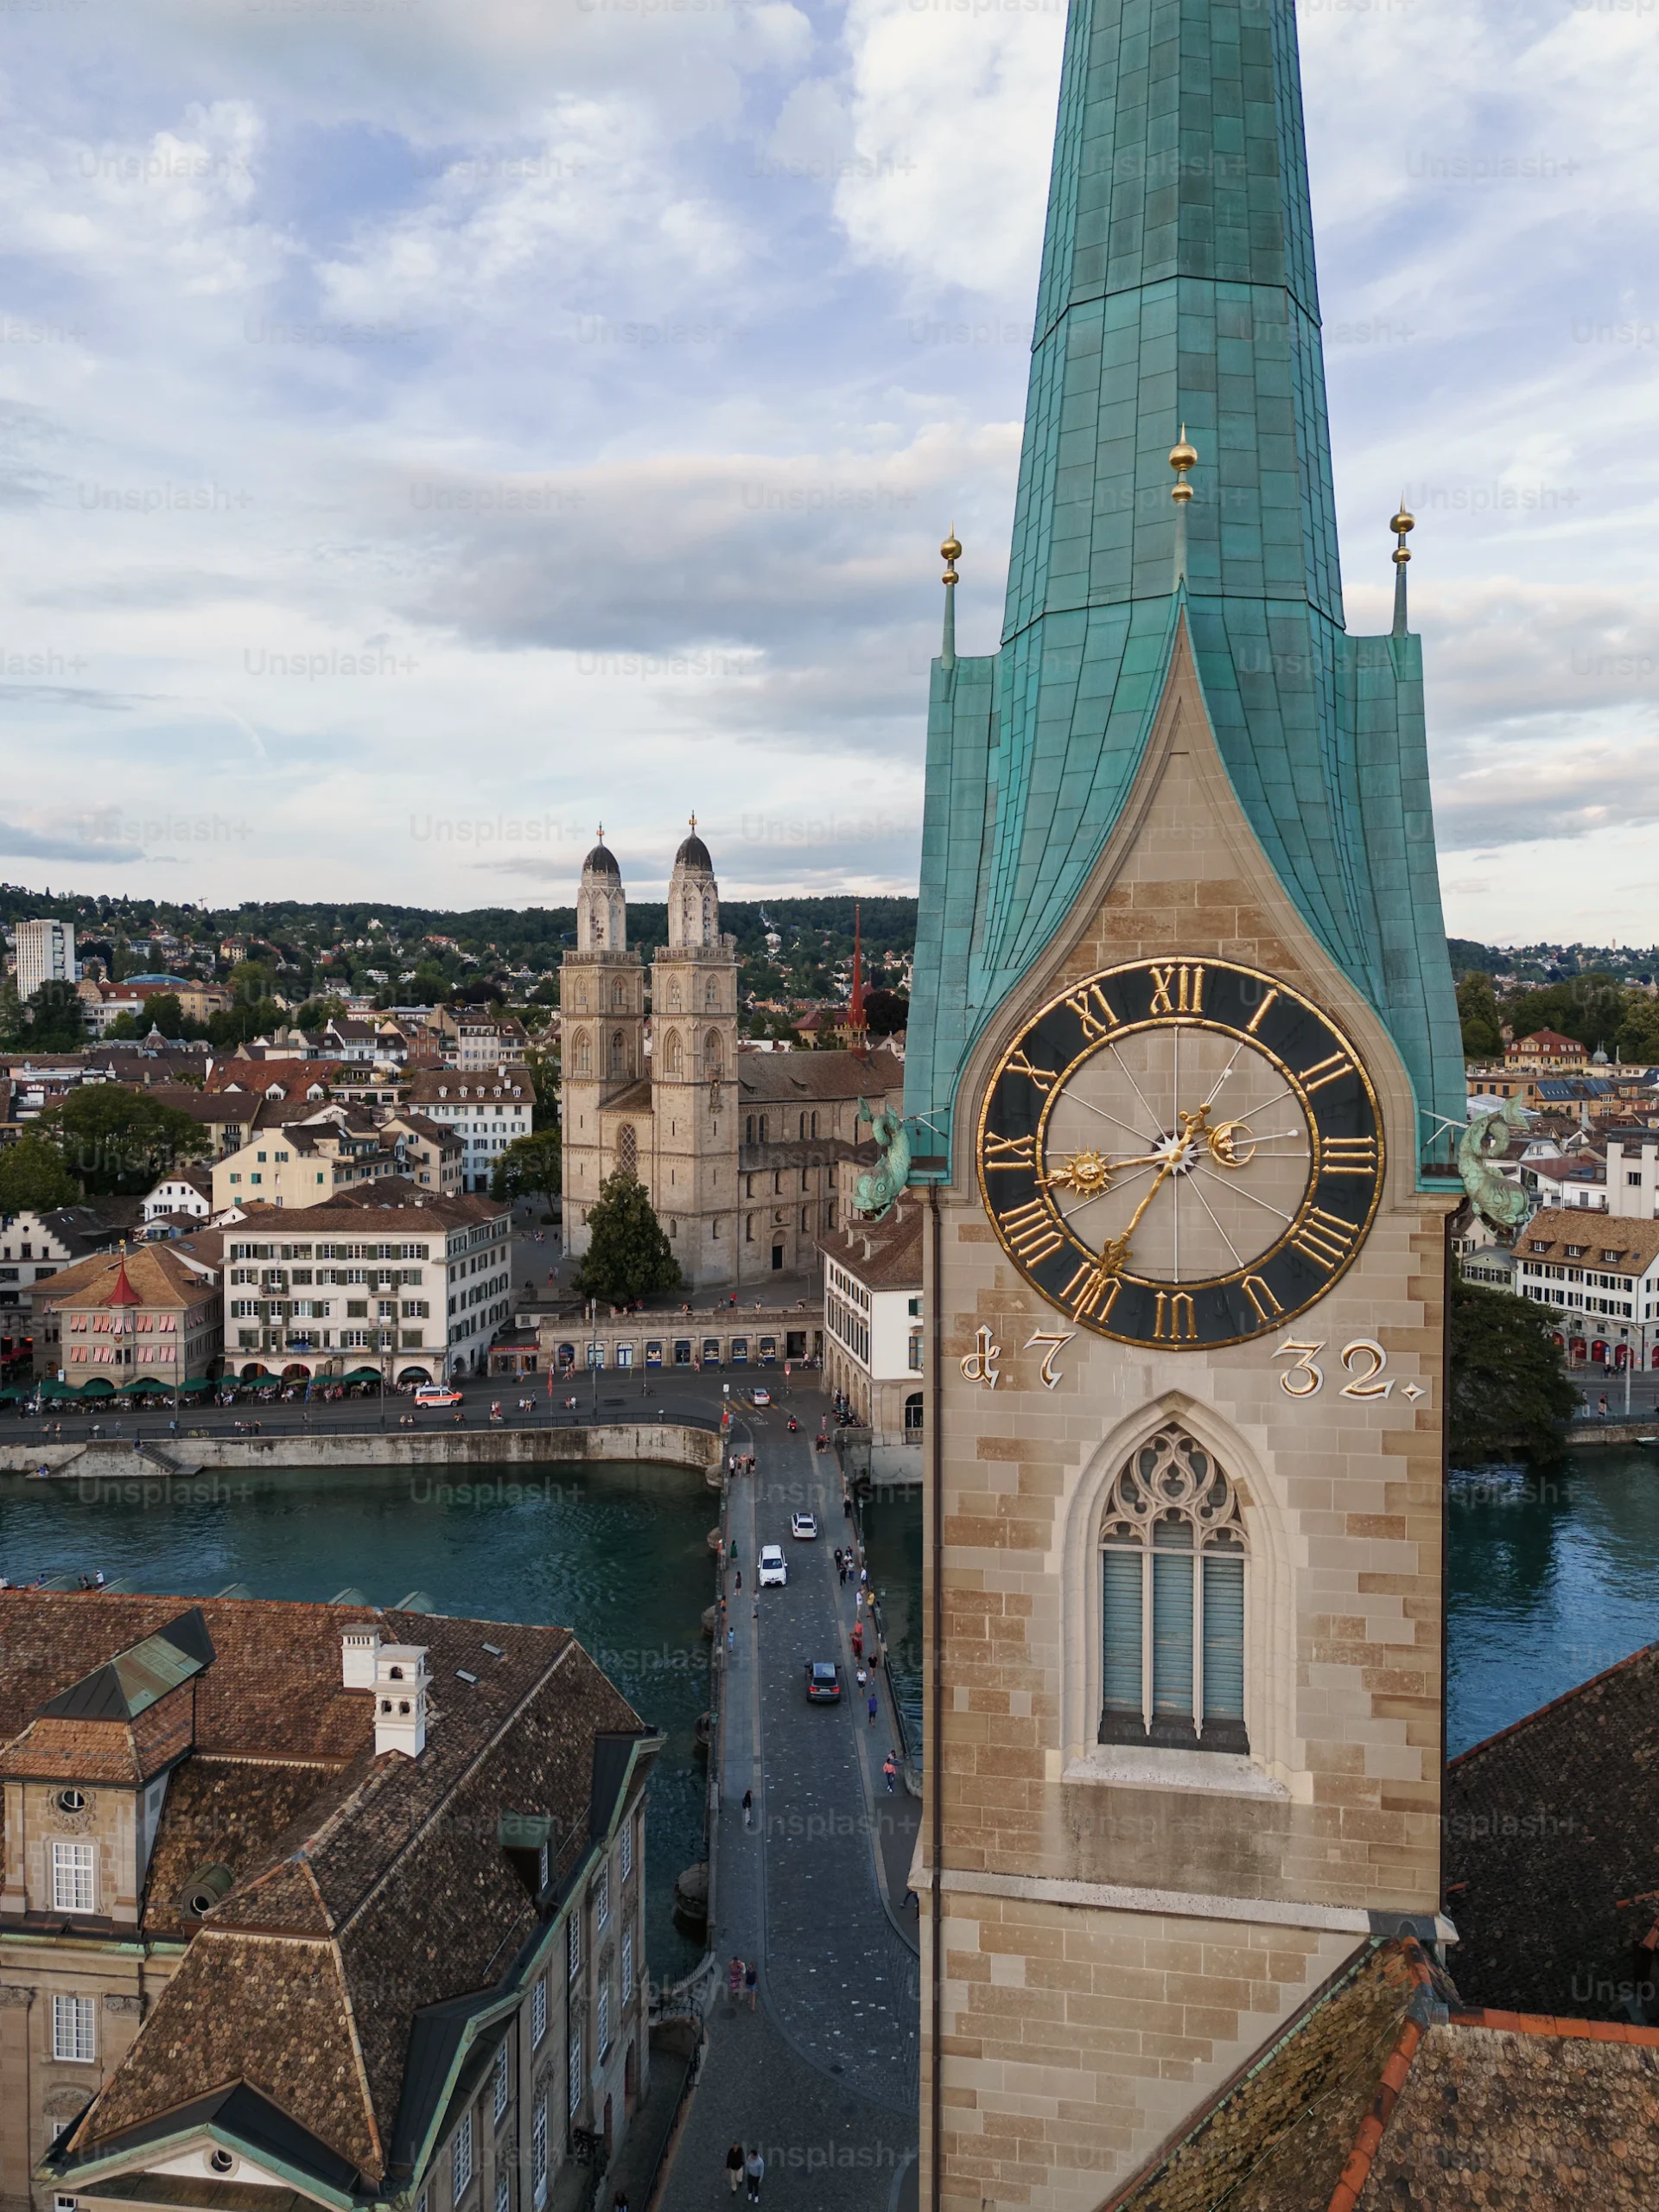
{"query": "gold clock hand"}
[(1115, 1254)]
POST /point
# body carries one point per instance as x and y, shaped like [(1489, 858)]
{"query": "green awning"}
[(98, 1387), (362, 1375), (52, 1388), (10, 1392), (146, 1385), (197, 1382)]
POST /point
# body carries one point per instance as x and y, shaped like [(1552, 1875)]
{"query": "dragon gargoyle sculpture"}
[(877, 1188), (1485, 1141)]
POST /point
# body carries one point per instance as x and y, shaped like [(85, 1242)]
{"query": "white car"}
[(803, 1524), (433, 1394), (772, 1568)]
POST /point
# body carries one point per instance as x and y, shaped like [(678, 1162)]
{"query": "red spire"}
[(124, 1293), (855, 1020)]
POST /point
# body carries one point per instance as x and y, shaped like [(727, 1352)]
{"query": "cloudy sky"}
[(433, 427)]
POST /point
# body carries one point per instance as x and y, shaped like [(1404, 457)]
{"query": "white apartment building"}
[(46, 954), (1600, 1279), (414, 1291), (873, 1333), (486, 1110)]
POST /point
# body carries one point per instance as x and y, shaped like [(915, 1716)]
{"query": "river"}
[(1553, 1576)]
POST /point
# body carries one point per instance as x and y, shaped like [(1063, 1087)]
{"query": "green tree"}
[(55, 1023), (317, 1014), (123, 1029), (1510, 1391), (543, 1065), (529, 1165), (165, 1012), (115, 1140), (1638, 1033), (32, 1175), (1482, 1022), (886, 1012), (627, 1256)]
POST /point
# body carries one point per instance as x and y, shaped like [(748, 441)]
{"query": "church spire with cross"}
[(1178, 300)]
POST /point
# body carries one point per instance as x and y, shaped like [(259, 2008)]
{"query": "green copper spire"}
[(1178, 294)]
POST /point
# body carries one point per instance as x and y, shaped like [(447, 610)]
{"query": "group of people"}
[(745, 2166)]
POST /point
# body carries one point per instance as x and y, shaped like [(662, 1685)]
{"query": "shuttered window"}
[(1121, 1623), (1223, 1637), (1172, 1560), (1172, 1621)]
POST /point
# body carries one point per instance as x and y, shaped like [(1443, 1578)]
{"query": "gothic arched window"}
[(673, 1057), (628, 1148), (618, 1052), (714, 1059), (674, 994), (1172, 1554), (711, 996), (581, 1053), (619, 995)]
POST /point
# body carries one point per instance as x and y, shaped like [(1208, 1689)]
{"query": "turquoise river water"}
[(1553, 1574)]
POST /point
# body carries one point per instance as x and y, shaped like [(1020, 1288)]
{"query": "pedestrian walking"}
[(863, 1577), (620, 2200), (754, 2172), (734, 1978), (738, 1585), (734, 2167), (890, 1768), (858, 1639), (731, 1639), (748, 1808), (751, 1983), (873, 1708)]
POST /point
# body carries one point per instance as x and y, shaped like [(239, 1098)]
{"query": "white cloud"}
[(299, 298)]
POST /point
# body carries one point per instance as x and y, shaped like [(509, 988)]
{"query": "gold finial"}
[(694, 825), (601, 833), (1182, 456), (950, 552), (1403, 523)]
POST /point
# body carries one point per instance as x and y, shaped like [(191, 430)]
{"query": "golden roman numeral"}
[(1043, 1078), (1261, 1296), (1260, 1015), (1175, 1321), (1326, 1239), (1185, 983), (1323, 1072), (1009, 1151), (1091, 1293), (1030, 1233), (1348, 1156), (1096, 1018)]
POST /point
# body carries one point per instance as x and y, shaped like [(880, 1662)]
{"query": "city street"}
[(822, 2072)]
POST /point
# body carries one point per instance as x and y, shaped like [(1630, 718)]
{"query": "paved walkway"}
[(822, 2072)]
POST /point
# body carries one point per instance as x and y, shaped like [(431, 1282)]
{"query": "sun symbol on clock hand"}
[(1087, 1172)]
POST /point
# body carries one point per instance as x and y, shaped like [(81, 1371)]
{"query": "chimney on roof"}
[(400, 1699), (359, 1645)]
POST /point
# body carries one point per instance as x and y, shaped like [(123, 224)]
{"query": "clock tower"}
[(1182, 1052)]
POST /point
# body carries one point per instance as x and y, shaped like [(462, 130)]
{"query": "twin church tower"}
[(1182, 1049)]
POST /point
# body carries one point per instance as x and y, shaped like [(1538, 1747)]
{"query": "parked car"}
[(822, 1682), (771, 1569), (803, 1524), (760, 1395), (437, 1393)]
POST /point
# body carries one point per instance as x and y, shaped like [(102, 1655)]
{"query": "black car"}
[(822, 1682)]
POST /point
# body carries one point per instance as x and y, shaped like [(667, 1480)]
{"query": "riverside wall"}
[(664, 1443)]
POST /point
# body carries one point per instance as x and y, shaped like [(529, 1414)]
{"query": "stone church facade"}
[(748, 1158)]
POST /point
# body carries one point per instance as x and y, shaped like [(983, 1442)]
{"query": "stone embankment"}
[(118, 1458)]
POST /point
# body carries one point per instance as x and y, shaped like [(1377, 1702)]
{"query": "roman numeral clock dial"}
[(1181, 1153)]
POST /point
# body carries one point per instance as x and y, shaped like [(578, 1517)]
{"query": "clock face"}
[(1181, 1152)]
